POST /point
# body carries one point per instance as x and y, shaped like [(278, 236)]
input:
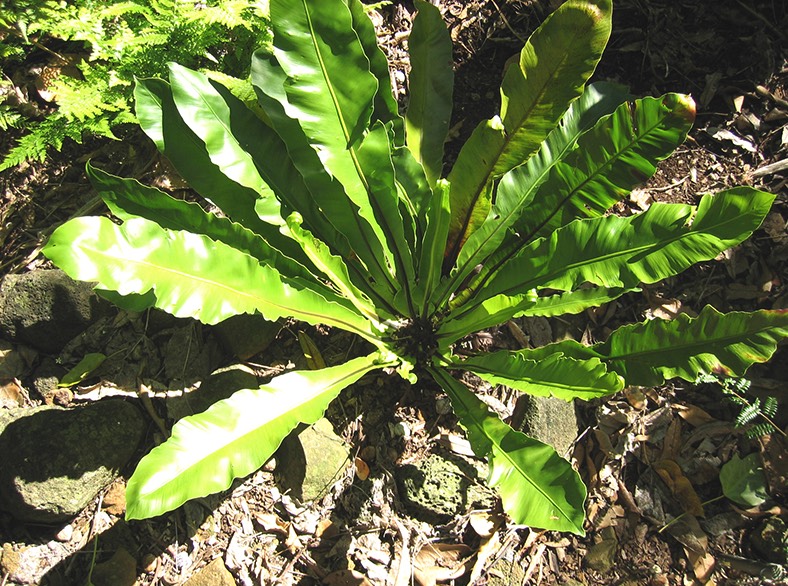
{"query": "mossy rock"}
[(442, 486)]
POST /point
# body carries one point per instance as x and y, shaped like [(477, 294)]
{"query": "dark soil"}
[(731, 57)]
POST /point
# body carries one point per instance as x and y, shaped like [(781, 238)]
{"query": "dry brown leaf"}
[(635, 397), (455, 443), (689, 533), (671, 445), (362, 469), (693, 415), (440, 562), (114, 501), (11, 394), (346, 578), (485, 523), (774, 453), (672, 475), (326, 528), (487, 549), (271, 523)]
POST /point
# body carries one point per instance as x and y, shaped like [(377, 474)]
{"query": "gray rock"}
[(505, 572), (245, 335), (441, 486), (770, 540), (550, 420), (119, 570), (602, 556), (45, 309), (56, 461), (214, 574), (309, 463)]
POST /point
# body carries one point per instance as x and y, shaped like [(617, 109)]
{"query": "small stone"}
[(214, 574), (65, 534), (311, 462), (548, 419), (602, 556), (245, 335), (119, 570), (770, 540), (440, 487)]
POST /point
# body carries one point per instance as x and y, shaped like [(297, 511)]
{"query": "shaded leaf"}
[(537, 486)]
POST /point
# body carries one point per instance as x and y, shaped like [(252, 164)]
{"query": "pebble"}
[(66, 534)]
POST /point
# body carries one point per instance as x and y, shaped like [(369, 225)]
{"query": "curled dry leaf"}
[(440, 562), (688, 532), (693, 415), (485, 523), (671, 474), (271, 523), (362, 469)]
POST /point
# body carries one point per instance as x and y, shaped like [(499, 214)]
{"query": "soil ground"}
[(731, 57)]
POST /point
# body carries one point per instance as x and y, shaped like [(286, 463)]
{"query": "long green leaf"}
[(234, 437), (330, 92), (553, 68), (128, 198), (556, 375), (537, 486), (518, 187), (190, 274), (385, 107), (558, 185), (333, 216), (649, 353), (211, 118), (431, 251), (617, 252), (160, 119), (330, 265), (430, 86)]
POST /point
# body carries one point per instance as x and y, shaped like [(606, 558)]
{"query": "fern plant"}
[(116, 41), (335, 211), (736, 390)]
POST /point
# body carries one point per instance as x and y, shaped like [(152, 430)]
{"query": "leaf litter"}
[(651, 457)]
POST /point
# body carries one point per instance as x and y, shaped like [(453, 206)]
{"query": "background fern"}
[(736, 390), (111, 42)]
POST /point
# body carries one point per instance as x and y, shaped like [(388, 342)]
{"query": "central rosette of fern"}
[(416, 339)]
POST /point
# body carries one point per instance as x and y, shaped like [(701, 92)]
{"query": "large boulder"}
[(45, 309), (56, 461)]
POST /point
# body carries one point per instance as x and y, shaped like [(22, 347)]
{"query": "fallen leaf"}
[(693, 415), (346, 578), (114, 501), (362, 469), (440, 562), (11, 395), (775, 462), (487, 549), (455, 443), (688, 532), (681, 488), (485, 523), (271, 523), (314, 359), (635, 397)]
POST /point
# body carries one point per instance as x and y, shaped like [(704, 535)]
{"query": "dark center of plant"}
[(416, 339)]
